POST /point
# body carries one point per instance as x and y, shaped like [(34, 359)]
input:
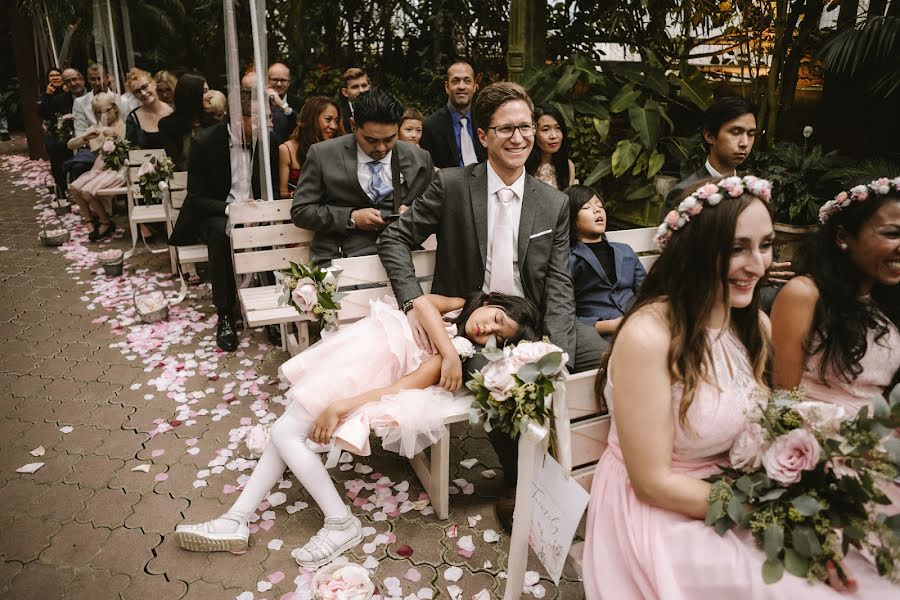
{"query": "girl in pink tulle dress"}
[(371, 374), (682, 376), (835, 329)]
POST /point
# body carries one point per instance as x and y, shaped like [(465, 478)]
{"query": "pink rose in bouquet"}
[(791, 454), (305, 295), (532, 352), (108, 146), (146, 169), (747, 450)]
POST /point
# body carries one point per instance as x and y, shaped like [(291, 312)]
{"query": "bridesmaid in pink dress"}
[(835, 329), (682, 374)]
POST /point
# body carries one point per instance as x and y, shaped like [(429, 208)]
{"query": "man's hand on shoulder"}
[(368, 219)]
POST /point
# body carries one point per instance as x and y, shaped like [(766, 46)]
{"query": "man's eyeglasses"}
[(68, 80), (278, 80), (504, 132)]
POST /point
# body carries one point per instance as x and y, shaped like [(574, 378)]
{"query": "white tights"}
[(287, 448)]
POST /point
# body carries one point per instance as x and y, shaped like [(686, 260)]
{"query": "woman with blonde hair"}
[(165, 86), (319, 119), (108, 128), (142, 124)]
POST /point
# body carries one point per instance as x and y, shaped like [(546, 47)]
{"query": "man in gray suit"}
[(351, 187), (729, 130), (463, 206)]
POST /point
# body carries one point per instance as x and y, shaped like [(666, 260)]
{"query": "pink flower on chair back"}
[(305, 294)]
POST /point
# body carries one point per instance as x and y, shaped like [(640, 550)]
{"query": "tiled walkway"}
[(140, 428)]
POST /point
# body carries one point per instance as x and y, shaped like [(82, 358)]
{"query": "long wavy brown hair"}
[(307, 131), (688, 276)]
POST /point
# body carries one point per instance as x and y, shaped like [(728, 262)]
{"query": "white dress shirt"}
[(83, 113), (714, 173), (494, 183), (364, 173)]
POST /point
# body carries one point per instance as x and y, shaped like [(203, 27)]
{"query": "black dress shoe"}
[(226, 334), (273, 332)]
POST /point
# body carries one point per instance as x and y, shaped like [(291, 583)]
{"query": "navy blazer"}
[(596, 299)]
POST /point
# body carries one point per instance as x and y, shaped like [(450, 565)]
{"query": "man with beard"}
[(449, 133)]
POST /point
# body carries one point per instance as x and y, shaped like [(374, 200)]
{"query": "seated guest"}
[(284, 117), (213, 184), (54, 88), (215, 108), (142, 126), (449, 133), (606, 274), (349, 213), (729, 130), (411, 126), (54, 102), (835, 327), (108, 127), (319, 120), (165, 86), (185, 121), (549, 159), (684, 375), (354, 81)]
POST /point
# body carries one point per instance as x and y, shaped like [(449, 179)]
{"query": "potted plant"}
[(799, 187)]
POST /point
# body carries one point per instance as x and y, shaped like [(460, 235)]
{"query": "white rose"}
[(463, 346), (532, 352), (687, 204), (498, 377), (305, 295), (257, 439), (821, 416)]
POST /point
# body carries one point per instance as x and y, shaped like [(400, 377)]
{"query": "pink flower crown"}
[(859, 193), (710, 194)]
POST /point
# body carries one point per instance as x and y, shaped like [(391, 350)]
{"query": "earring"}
[(843, 246)]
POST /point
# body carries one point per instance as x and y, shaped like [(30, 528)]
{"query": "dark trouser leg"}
[(221, 270), (58, 154), (589, 347)]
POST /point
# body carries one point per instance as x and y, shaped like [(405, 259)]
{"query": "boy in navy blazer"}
[(606, 275)]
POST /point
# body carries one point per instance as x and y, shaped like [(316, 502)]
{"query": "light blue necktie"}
[(379, 188)]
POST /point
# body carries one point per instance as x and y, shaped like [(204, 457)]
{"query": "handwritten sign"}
[(558, 502)]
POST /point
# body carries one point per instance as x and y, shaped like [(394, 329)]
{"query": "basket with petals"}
[(53, 235), (343, 581), (112, 261), (151, 303)]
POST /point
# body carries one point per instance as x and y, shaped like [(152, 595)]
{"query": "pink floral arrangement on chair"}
[(860, 193), (710, 194)]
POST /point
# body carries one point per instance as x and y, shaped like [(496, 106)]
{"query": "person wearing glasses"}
[(284, 116), (499, 230), (142, 124)]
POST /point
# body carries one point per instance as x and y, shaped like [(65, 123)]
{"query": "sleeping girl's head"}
[(105, 109), (587, 216), (506, 318)]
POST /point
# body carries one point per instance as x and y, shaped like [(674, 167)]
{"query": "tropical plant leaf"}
[(655, 79), (602, 127), (623, 157), (655, 163), (645, 191), (568, 113), (625, 99), (645, 120), (603, 168), (694, 87), (592, 107), (565, 82)]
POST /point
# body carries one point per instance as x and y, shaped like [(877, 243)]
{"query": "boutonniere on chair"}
[(115, 153), (312, 289), (154, 178), (513, 387)]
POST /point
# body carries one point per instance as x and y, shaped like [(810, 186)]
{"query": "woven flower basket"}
[(112, 262), (55, 236), (325, 573), (151, 303)]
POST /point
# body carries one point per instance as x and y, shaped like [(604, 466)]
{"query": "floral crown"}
[(860, 193), (710, 194)]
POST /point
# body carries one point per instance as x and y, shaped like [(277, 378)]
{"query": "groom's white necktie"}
[(465, 143), (502, 244)]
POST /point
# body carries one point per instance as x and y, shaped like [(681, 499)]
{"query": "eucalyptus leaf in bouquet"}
[(115, 153)]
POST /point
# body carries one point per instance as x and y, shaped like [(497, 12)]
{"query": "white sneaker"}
[(213, 536), (336, 537)]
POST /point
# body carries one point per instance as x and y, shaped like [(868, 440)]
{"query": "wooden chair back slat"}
[(640, 240), (363, 270), (269, 260), (261, 236), (260, 211), (355, 305)]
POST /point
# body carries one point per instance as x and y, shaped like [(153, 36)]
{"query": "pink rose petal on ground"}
[(453, 531), (161, 477), (191, 442), (276, 577), (413, 575), (267, 524), (404, 551), (229, 489), (157, 453)]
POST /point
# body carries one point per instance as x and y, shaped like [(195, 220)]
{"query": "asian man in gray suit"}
[(498, 230), (353, 186)]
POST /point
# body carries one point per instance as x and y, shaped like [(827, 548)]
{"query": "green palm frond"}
[(863, 171), (874, 40)]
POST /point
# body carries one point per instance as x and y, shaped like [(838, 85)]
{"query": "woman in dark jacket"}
[(178, 128)]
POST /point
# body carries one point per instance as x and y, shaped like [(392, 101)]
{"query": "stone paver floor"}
[(140, 427)]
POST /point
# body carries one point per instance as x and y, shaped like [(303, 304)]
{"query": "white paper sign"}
[(558, 502)]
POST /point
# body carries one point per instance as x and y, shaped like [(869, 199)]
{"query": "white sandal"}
[(336, 537), (203, 537)]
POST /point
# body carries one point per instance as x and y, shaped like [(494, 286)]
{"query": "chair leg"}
[(440, 476)]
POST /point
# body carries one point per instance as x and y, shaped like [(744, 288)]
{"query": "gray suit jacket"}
[(328, 191), (676, 192), (455, 208)]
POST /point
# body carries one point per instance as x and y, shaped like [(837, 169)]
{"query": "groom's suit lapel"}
[(478, 195), (526, 218)]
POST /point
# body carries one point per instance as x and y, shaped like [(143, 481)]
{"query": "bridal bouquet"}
[(62, 127), (311, 289), (115, 153), (154, 178), (513, 386), (805, 480)]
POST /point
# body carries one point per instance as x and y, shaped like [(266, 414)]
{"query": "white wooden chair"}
[(179, 256), (139, 213), (263, 238), (640, 240)]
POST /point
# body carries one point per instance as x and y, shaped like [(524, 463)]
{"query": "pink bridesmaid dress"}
[(636, 551)]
